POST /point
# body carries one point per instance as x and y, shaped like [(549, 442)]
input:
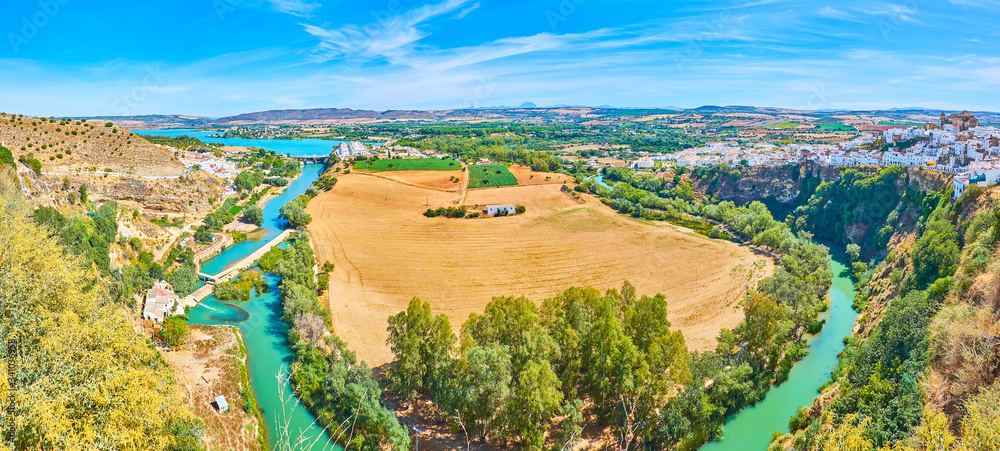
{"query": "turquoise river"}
[(264, 333), (269, 356), (752, 428)]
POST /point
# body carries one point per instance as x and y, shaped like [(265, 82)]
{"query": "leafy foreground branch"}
[(84, 379)]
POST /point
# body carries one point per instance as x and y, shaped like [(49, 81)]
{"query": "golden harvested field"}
[(526, 177), (386, 252), (438, 180)]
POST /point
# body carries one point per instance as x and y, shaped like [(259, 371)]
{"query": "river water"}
[(293, 147), (264, 333), (752, 428)]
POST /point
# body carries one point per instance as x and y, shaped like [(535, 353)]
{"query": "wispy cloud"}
[(467, 11), (301, 8), (381, 39), (838, 14), (898, 12)]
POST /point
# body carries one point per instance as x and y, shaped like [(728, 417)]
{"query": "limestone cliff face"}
[(786, 184)]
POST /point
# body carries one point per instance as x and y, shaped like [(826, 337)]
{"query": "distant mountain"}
[(156, 120)]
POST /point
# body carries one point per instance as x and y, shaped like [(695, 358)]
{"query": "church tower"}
[(943, 120)]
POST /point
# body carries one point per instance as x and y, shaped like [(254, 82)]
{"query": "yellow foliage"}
[(849, 436), (85, 378), (981, 426), (934, 434)]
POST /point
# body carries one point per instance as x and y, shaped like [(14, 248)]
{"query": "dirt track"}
[(386, 253)]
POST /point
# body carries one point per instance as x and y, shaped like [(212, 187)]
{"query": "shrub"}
[(323, 282), (520, 209), (175, 331)]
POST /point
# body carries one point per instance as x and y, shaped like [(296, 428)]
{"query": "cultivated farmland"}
[(417, 164), (836, 127), (490, 176), (386, 252)]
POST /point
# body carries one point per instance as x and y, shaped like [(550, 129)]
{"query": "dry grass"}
[(386, 253), (436, 180), (84, 146), (526, 177), (206, 368)]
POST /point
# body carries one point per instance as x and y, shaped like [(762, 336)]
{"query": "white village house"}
[(161, 302)]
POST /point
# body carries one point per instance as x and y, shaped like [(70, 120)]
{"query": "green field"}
[(784, 124), (836, 127), (235, 209), (418, 164), (489, 176)]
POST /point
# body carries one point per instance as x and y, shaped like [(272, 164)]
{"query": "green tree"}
[(853, 252), (175, 331), (480, 389), (184, 280), (535, 402), (83, 194), (253, 214), (421, 344), (760, 328), (294, 212), (935, 254)]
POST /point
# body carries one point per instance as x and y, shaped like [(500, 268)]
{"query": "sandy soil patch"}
[(207, 367), (527, 177), (386, 252), (437, 180)]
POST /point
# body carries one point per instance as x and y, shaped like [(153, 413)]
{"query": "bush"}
[(450, 212), (520, 209), (175, 331), (323, 282), (253, 214), (6, 157)]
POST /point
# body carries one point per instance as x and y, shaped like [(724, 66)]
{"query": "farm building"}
[(493, 210), (221, 404), (161, 302)]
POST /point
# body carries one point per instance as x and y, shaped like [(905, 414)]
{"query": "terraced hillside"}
[(71, 146)]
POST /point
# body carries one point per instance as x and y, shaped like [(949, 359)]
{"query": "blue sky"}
[(223, 57)]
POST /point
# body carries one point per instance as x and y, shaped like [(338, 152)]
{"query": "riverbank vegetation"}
[(779, 313), (239, 289), (327, 377), (921, 375)]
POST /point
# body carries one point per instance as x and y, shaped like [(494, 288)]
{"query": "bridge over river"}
[(311, 159), (192, 300)]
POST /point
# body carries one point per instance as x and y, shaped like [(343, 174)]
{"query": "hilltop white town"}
[(958, 145)]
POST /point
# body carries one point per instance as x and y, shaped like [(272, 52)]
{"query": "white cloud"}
[(300, 8), (467, 11), (900, 13), (838, 14), (386, 38)]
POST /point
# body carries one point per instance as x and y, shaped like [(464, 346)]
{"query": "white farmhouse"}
[(494, 210)]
